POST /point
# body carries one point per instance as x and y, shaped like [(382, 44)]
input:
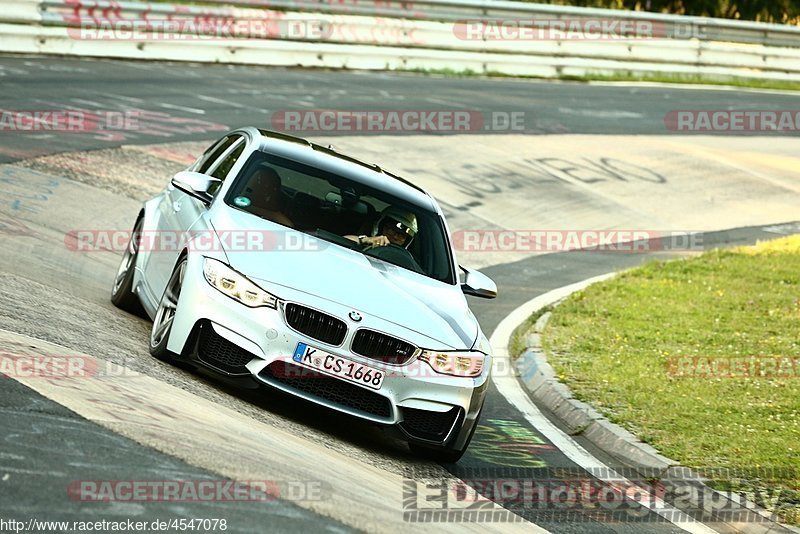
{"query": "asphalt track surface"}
[(191, 102), (59, 297)]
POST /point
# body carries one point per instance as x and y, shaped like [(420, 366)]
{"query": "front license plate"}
[(333, 365)]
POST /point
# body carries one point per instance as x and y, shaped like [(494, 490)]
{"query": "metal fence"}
[(676, 26), (426, 34)]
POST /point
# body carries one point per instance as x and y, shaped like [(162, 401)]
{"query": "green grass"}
[(518, 342), (614, 342), (754, 83), (627, 77)]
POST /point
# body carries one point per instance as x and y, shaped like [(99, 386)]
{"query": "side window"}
[(204, 156), (217, 151), (227, 164), (224, 167)]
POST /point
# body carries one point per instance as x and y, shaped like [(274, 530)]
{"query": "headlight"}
[(456, 363), (236, 286)]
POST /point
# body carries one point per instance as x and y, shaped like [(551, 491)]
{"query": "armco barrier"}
[(677, 26), (378, 42), (21, 12)]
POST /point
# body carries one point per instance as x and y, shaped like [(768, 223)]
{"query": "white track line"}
[(215, 100), (196, 111), (509, 387)]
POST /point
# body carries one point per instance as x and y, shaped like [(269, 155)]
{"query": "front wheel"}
[(438, 455), (122, 295), (165, 314)]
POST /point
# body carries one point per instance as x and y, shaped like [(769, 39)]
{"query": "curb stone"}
[(539, 380)]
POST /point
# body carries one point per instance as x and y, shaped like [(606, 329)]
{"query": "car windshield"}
[(331, 207)]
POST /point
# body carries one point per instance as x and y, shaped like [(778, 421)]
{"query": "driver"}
[(395, 226)]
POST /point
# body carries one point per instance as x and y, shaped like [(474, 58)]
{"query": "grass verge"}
[(751, 83), (518, 342), (700, 358), (754, 83)]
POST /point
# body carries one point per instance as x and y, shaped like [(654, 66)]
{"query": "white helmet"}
[(403, 220)]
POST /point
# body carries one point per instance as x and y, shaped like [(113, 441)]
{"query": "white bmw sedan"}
[(282, 263)]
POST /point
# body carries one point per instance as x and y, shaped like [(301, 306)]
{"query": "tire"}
[(443, 455), (165, 314), (438, 455), (122, 295)]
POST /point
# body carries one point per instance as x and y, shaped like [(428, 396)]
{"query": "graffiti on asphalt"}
[(508, 443)]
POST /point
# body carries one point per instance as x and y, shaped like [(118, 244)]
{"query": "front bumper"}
[(257, 344)]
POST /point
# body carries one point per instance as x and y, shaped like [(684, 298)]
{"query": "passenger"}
[(264, 190)]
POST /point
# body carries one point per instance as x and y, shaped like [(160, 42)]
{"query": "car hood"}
[(305, 264)]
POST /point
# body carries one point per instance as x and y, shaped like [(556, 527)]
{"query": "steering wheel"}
[(394, 254)]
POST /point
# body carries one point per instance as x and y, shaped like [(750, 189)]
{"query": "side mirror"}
[(195, 184), (478, 284)]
